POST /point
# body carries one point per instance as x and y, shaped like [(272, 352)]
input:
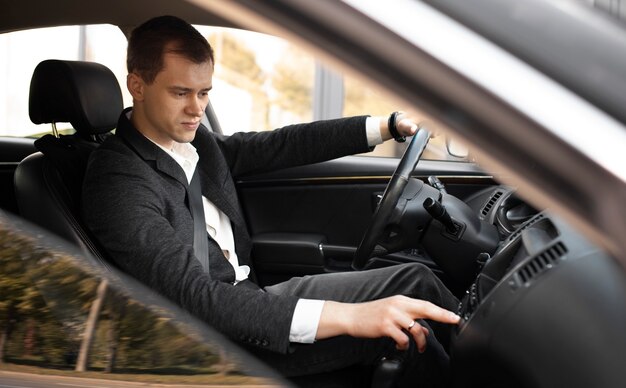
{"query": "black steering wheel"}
[(368, 246)]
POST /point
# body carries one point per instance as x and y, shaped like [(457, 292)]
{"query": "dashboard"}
[(523, 314)]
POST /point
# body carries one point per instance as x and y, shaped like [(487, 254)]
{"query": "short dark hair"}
[(148, 43)]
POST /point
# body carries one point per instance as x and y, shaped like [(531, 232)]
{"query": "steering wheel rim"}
[(392, 193)]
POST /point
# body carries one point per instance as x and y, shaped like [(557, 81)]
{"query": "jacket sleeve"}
[(293, 145), (126, 210)]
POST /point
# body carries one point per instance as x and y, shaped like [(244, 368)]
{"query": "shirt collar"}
[(184, 154)]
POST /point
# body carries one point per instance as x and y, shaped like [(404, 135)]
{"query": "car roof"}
[(126, 14)]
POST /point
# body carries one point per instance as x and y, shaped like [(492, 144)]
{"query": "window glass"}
[(59, 317), (260, 82), (361, 99), (106, 44), (23, 50)]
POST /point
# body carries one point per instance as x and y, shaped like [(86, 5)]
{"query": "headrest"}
[(85, 94)]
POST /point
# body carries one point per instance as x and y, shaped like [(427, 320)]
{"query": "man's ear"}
[(135, 85)]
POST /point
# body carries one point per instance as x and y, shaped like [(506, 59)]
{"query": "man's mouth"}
[(191, 124)]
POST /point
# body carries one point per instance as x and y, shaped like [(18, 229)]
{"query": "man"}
[(139, 182)]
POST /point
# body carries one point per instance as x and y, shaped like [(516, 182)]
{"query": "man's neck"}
[(135, 116)]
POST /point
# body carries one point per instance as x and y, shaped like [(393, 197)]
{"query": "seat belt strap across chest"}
[(200, 238)]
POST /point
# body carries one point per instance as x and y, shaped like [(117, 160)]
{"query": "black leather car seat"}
[(48, 183)]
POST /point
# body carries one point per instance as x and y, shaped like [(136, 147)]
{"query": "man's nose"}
[(195, 106)]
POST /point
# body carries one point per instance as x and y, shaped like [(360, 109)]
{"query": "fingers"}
[(401, 339), (419, 334), (406, 126), (391, 317), (399, 330), (431, 311), (420, 309)]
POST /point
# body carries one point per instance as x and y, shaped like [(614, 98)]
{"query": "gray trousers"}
[(334, 354)]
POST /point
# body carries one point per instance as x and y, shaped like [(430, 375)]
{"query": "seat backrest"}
[(48, 183)]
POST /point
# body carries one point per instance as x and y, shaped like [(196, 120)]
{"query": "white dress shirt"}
[(307, 313)]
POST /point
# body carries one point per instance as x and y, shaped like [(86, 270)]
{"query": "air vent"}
[(542, 262), (492, 201)]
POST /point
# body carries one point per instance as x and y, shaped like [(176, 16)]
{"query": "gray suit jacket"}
[(135, 203)]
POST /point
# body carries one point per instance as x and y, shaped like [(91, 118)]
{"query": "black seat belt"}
[(200, 238)]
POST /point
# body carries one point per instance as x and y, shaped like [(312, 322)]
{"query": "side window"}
[(260, 82), (263, 82), (360, 98), (60, 318), (25, 49)]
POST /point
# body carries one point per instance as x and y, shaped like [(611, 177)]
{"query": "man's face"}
[(170, 108)]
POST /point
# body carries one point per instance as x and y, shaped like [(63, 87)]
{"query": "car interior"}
[(526, 279), (490, 243)]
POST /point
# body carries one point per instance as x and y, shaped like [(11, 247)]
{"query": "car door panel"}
[(310, 219)]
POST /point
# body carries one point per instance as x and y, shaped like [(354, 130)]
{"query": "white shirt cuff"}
[(372, 130), (306, 318)]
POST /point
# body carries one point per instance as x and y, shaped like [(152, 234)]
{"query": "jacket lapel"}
[(219, 188), (219, 191), (149, 151)]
